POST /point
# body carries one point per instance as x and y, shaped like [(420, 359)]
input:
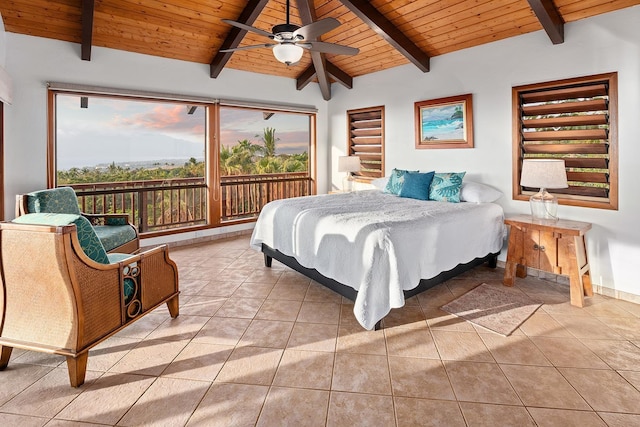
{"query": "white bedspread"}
[(377, 243)]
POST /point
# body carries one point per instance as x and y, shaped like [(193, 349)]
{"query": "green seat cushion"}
[(87, 237), (113, 236), (55, 200), (116, 257)]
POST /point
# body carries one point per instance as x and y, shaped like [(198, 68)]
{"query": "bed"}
[(378, 249)]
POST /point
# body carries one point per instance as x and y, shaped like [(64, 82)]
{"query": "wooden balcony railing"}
[(243, 196), (158, 205)]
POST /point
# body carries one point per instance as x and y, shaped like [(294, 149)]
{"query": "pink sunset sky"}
[(121, 131)]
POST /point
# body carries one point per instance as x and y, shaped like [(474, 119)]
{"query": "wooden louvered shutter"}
[(366, 140), (574, 120)]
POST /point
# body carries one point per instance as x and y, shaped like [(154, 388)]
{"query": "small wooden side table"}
[(557, 247)]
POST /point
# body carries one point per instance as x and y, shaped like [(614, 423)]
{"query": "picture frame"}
[(445, 122)]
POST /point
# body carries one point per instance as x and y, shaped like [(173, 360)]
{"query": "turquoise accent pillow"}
[(416, 185), (396, 179), (445, 187)]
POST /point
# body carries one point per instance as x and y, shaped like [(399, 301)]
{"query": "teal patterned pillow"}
[(396, 179), (416, 185), (89, 241), (54, 200), (445, 187)]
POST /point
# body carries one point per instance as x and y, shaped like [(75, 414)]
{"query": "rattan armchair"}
[(115, 231), (56, 299)]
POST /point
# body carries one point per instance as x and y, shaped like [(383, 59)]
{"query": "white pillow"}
[(380, 183), (475, 192)]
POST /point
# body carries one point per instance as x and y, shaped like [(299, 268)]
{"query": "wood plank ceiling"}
[(388, 33)]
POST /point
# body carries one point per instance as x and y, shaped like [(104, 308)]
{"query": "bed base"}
[(348, 292)]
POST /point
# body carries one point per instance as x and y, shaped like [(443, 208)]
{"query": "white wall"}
[(34, 61), (604, 43)]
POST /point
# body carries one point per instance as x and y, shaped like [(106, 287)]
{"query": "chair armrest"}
[(108, 219), (139, 255)]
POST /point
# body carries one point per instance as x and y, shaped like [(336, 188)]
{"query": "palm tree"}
[(269, 139)]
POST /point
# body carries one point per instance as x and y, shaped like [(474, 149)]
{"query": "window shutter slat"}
[(376, 140), (556, 135), (588, 177), (371, 124), (589, 91), (566, 148), (366, 132), (586, 120), (366, 115), (357, 149), (582, 162), (567, 107), (583, 191)]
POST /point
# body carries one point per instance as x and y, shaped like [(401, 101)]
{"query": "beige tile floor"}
[(268, 347)]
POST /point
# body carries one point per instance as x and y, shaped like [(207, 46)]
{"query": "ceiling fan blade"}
[(317, 28), (248, 28), (323, 47), (255, 46)]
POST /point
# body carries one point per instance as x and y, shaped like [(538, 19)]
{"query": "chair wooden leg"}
[(5, 354), (173, 306), (77, 369)]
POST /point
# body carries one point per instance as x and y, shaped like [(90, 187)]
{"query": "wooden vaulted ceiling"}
[(388, 33)]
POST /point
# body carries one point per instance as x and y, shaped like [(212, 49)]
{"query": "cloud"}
[(164, 117)]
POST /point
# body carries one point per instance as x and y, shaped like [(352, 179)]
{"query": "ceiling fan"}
[(290, 39)]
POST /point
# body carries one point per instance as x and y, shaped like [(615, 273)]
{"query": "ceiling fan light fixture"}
[(287, 53)]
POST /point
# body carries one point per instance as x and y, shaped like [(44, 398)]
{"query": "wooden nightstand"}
[(554, 246)]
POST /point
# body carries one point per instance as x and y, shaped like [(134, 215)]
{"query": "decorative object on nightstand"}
[(554, 246), (348, 164), (543, 174)]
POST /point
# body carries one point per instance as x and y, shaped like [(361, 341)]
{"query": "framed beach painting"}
[(445, 122)]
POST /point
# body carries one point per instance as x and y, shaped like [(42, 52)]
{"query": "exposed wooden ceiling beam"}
[(87, 29), (340, 76), (306, 77), (248, 16), (383, 27), (335, 73), (307, 14), (550, 19)]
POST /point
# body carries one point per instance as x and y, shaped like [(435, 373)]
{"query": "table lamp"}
[(543, 174), (348, 164)]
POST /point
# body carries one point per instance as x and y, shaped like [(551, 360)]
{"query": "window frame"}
[(565, 197), (212, 143), (366, 176)]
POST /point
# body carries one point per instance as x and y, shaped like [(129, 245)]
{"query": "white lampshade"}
[(287, 53), (348, 164), (543, 173)]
